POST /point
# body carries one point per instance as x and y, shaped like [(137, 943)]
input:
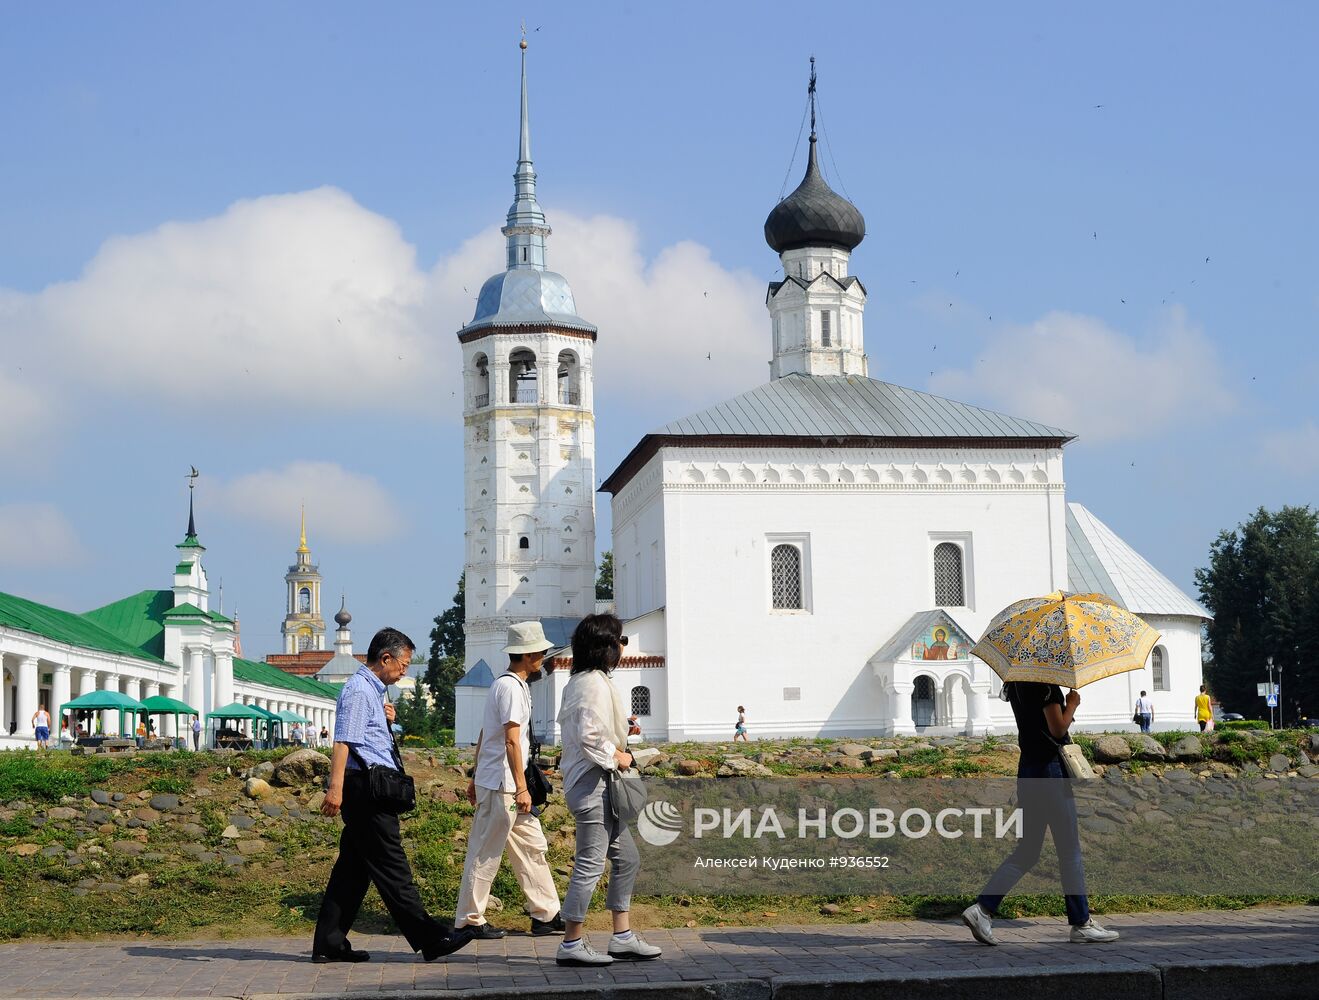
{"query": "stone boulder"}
[(853, 749), (256, 788), (164, 802), (741, 767), (689, 768), (1278, 763), (1187, 750), (885, 753), (1146, 748), (62, 813), (302, 767), (850, 764), (1111, 750)]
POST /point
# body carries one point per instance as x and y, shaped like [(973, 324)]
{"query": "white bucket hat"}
[(526, 637)]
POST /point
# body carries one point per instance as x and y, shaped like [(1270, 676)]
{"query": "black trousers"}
[(370, 852)]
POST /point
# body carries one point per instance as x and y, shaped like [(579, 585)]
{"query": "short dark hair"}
[(1142, 694), (389, 640), (595, 643)]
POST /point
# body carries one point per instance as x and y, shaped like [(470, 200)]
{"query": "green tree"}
[(444, 667), (604, 580), (1262, 587)]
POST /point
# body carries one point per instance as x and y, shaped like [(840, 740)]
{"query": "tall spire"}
[(302, 543), (526, 228)]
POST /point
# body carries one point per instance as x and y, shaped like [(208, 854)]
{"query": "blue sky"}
[(244, 237)]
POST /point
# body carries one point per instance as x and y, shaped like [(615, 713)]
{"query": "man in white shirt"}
[(498, 789), (1145, 712)]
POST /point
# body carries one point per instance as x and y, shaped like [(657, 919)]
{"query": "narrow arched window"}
[(524, 542), (641, 701), (304, 601), (949, 591), (785, 577), (1159, 664), (826, 333)]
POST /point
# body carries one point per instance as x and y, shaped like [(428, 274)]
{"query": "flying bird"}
[(1095, 235), (707, 355)]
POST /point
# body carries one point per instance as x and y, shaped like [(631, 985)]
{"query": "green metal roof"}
[(256, 672), (65, 626), (159, 704), (190, 543), (137, 620), (218, 618), (186, 610)]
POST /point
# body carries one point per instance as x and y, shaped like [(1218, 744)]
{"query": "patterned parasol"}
[(1065, 639)]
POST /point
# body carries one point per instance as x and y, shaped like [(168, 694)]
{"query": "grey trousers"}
[(599, 837)]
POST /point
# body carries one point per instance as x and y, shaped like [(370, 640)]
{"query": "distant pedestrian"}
[(740, 729), (1043, 718), (504, 820), (593, 728), (1144, 713), (325, 737), (196, 732), (1204, 712), (41, 727), (141, 735), (371, 846)]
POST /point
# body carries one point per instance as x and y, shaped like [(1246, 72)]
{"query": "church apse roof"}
[(832, 410), (1098, 561)]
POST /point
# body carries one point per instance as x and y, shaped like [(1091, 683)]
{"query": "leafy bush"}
[(1242, 724)]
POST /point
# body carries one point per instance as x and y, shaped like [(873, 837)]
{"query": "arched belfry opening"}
[(522, 380), (570, 379), (481, 381)]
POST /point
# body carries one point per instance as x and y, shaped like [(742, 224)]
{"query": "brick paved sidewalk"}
[(723, 956)]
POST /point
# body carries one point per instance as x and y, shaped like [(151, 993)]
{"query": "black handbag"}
[(391, 791), (538, 786)]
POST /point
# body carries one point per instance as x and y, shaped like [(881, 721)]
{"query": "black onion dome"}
[(814, 216), (343, 617)]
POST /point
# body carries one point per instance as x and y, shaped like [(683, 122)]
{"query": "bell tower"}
[(303, 627), (528, 434), (817, 310)]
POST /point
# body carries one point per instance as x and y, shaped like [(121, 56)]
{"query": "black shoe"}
[(544, 928), (344, 954), (448, 943), (484, 932)]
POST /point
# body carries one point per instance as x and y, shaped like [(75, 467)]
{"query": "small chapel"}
[(824, 549)]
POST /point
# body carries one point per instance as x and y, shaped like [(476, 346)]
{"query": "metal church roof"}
[(1098, 561), (829, 409), (799, 405), (479, 676)]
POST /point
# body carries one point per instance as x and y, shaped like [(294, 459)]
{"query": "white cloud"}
[(342, 506), (1077, 373), (311, 296), (278, 296), (26, 416), (1294, 450), (37, 535), (659, 319)]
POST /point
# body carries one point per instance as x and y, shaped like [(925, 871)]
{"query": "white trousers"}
[(496, 827)]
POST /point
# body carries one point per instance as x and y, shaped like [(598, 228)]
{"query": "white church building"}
[(156, 642), (824, 549)]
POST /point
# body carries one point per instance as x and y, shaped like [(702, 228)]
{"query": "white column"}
[(4, 699), (86, 681), (27, 695), (59, 694), (109, 717), (133, 688), (224, 677), (979, 720), (150, 689), (903, 724), (196, 656)]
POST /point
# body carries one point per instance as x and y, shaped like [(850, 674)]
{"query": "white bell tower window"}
[(826, 334)]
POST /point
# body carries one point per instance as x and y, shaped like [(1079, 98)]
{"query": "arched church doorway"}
[(922, 701)]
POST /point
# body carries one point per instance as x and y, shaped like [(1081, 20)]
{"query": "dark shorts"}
[(43, 732)]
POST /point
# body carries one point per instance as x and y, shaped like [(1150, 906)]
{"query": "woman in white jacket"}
[(593, 725)]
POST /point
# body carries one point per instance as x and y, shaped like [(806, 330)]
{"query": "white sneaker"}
[(1091, 933), (581, 954), (635, 950), (980, 922)]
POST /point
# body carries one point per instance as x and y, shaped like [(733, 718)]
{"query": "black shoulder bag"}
[(391, 791), (537, 784)]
